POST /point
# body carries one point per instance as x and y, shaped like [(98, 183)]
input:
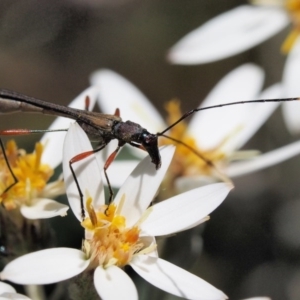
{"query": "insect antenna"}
[(191, 112), (28, 131), (222, 176)]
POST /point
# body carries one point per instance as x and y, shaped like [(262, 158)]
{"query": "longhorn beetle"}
[(101, 127)]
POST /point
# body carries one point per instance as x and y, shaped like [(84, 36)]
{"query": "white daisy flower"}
[(237, 30), (216, 134), (7, 292), (32, 193), (241, 29), (123, 232)]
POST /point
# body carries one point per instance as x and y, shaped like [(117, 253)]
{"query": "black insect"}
[(101, 127)]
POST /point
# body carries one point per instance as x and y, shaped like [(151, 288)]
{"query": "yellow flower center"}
[(110, 241), (293, 9), (189, 160), (32, 175)]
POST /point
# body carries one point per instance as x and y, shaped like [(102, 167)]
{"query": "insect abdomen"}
[(9, 106)]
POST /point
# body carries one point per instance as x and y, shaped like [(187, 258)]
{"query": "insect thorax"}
[(96, 134), (129, 132)]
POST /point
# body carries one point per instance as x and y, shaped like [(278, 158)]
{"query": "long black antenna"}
[(221, 176), (187, 114)]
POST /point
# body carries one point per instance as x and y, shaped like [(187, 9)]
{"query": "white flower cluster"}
[(123, 232)]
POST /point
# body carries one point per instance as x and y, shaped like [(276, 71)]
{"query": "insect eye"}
[(146, 138), (149, 139)]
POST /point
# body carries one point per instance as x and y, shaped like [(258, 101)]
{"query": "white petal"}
[(113, 283), (211, 127), (54, 188), (228, 34), (274, 91), (198, 222), (291, 112), (149, 241), (6, 288), (174, 280), (291, 73), (117, 92), (119, 170), (13, 296), (52, 154), (142, 185), (186, 183), (88, 170), (184, 210), (258, 298), (45, 266), (264, 161), (44, 209), (259, 114)]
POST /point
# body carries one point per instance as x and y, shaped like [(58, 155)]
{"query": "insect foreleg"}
[(137, 146)]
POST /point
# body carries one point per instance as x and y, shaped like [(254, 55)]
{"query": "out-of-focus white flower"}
[(291, 88), (7, 292), (237, 30), (217, 134), (123, 232), (243, 28)]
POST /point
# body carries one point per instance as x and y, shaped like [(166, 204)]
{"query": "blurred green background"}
[(251, 245)]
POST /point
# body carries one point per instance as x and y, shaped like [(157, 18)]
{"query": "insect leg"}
[(19, 132), (141, 147), (117, 112), (76, 158), (87, 103), (106, 166), (108, 162), (9, 168)]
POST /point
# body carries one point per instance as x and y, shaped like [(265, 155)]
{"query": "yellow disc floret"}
[(31, 174), (110, 242), (189, 160), (293, 9)]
